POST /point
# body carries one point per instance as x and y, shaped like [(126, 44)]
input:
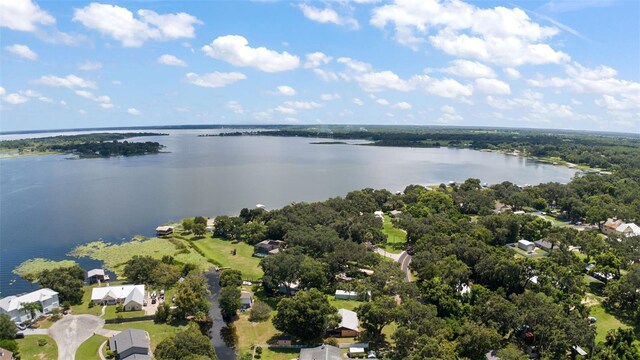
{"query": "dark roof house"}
[(544, 244), (324, 352), (131, 344), (267, 247)]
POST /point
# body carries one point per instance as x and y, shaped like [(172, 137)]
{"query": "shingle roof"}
[(117, 292), (129, 338), (323, 352), (136, 296)]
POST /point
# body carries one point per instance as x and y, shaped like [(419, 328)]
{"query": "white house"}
[(526, 245), (12, 305), (628, 229), (346, 295), (130, 296)]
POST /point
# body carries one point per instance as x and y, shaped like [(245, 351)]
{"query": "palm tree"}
[(31, 307)]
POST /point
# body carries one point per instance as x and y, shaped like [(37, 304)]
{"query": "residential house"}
[(346, 295), (491, 355), (12, 305), (267, 247), (611, 225), (97, 275), (526, 245), (6, 354), (131, 344), (130, 296), (349, 324), (379, 214), (628, 229), (284, 340), (164, 230), (246, 300), (395, 213), (544, 244), (324, 352)]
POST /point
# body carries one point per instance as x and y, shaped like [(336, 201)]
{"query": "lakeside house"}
[(12, 305), (395, 213), (267, 247), (97, 275), (131, 344), (616, 227), (349, 324), (324, 352), (164, 230), (526, 245), (544, 245), (130, 296), (379, 214)]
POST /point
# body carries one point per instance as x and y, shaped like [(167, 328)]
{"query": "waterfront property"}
[(164, 230), (325, 352), (130, 296), (616, 227), (544, 244), (131, 344), (96, 275), (349, 324), (12, 305), (267, 247)]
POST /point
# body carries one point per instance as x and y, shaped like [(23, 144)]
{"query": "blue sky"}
[(538, 64)]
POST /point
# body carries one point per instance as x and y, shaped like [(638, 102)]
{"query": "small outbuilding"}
[(544, 245), (246, 300), (526, 245), (346, 295), (284, 340), (395, 213), (97, 275), (164, 230)]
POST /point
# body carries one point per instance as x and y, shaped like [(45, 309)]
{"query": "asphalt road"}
[(71, 331)]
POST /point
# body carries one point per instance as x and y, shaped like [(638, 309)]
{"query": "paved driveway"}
[(71, 331)]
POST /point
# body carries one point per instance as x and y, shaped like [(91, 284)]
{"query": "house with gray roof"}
[(131, 344), (349, 324), (324, 352)]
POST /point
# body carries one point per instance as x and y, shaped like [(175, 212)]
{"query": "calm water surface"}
[(49, 204)]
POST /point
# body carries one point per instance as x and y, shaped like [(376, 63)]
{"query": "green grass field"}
[(89, 349), (605, 322), (30, 350), (110, 313), (220, 252), (157, 332), (343, 304), (396, 238), (84, 307)]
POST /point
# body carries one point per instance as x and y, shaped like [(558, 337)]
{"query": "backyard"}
[(221, 252), (396, 238), (89, 348), (31, 350)]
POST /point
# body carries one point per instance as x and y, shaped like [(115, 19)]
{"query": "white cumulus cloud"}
[(15, 99), (327, 15), (402, 105), (22, 50), (286, 90), (90, 65), (235, 107), (329, 97), (235, 50), (70, 81), (215, 79), (358, 102), (171, 60), (492, 86), (473, 69), (120, 24), (304, 105), (316, 59), (23, 15), (134, 111)]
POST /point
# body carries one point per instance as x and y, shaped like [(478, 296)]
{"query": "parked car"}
[(19, 335), (153, 300)]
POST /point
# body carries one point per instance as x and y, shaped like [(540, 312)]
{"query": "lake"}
[(49, 204)]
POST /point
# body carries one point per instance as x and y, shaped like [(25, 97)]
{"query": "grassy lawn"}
[(30, 350), (110, 313), (251, 333), (84, 307), (157, 332), (605, 322), (279, 354), (89, 348), (220, 252), (396, 238), (343, 304)]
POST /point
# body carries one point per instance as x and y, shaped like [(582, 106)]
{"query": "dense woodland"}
[(458, 242), (605, 151), (90, 145)]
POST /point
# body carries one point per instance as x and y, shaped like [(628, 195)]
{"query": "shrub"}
[(258, 350), (119, 308), (260, 312), (91, 304), (110, 354), (42, 342), (331, 341)]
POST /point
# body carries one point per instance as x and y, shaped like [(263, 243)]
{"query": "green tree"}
[(186, 344), (282, 268), (187, 224), (260, 311), (229, 301), (312, 274), (617, 346), (31, 308), (139, 269), (306, 316), (476, 340), (231, 278), (68, 282), (511, 352), (199, 229), (377, 314), (191, 296), (7, 328), (165, 275)]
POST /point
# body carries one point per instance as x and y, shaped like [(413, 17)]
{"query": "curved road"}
[(403, 258), (71, 331)]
